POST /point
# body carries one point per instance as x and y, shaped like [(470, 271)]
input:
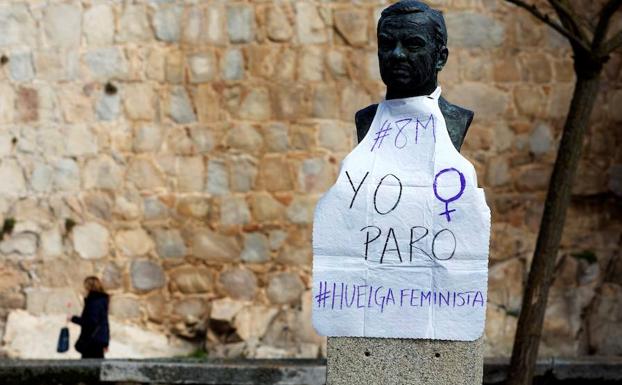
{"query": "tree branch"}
[(603, 22), (611, 45), (551, 23), (569, 19)]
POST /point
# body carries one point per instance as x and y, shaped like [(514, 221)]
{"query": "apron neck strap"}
[(436, 94)]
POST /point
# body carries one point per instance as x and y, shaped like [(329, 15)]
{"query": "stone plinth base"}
[(380, 361)]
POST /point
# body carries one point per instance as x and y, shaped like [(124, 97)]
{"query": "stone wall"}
[(177, 149)]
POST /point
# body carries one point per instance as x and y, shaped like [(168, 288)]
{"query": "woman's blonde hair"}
[(92, 283)]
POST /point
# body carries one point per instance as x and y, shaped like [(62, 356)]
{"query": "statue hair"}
[(435, 17)]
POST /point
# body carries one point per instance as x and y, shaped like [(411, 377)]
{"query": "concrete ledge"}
[(495, 369), (588, 368), (592, 370), (60, 372), (220, 372)]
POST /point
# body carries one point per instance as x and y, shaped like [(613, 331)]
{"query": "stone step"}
[(557, 371)]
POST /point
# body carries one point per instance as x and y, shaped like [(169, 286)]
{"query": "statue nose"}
[(398, 51)]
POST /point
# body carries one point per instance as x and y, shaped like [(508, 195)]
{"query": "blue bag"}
[(63, 340)]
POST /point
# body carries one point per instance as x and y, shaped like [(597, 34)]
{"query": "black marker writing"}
[(412, 242), (368, 241), (397, 201), (386, 243), (443, 241), (356, 189), (453, 237)]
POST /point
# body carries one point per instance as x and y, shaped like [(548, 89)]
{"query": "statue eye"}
[(414, 43), (385, 41)]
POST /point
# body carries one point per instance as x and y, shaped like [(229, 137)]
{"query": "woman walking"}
[(95, 332)]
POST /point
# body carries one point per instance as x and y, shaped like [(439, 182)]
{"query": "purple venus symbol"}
[(455, 197)]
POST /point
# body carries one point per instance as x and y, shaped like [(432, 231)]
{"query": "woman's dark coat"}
[(95, 333)]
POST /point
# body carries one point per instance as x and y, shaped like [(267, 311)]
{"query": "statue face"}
[(408, 55)]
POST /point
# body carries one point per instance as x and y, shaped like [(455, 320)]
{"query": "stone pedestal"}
[(381, 361)]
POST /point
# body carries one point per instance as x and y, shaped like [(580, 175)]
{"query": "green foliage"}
[(587, 255), (198, 354), (69, 224), (7, 227)]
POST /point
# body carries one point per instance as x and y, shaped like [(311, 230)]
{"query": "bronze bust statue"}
[(412, 49)]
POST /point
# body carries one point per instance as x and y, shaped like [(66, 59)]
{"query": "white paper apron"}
[(401, 241)]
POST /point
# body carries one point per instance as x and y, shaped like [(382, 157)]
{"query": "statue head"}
[(412, 48)]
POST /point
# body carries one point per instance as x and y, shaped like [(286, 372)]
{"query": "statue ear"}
[(442, 58)]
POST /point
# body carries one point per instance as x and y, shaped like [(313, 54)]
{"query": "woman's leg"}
[(93, 352)]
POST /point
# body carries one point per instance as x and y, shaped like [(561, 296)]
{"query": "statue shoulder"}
[(363, 119), (457, 119)]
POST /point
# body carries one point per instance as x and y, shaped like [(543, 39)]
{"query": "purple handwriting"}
[(453, 198), (381, 134), (339, 296), (401, 138)]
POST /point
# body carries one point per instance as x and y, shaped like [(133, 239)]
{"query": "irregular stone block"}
[(134, 25), (90, 240), (239, 283), (108, 107), (167, 23), (144, 174), (277, 24), (214, 247), (255, 248), (180, 106), (225, 309), (234, 211), (146, 275), (473, 30), (192, 279), (203, 67), (253, 321), (134, 242), (139, 101), (124, 307), (310, 27), (11, 170), (62, 25), (17, 26), (353, 26), (21, 68), (217, 177), (240, 23), (44, 300), (243, 173), (169, 243), (284, 288), (99, 24), (190, 174), (106, 63), (232, 65)]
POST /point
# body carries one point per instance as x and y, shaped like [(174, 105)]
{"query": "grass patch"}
[(198, 354)]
